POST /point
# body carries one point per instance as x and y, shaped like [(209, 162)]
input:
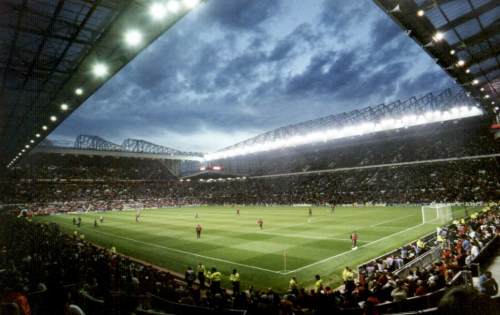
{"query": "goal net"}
[(438, 213)]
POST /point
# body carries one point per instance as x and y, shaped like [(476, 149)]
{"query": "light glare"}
[(53, 118), (64, 107), (388, 123), (157, 11), (438, 37), (100, 70), (133, 38), (79, 91), (191, 3), (173, 6)]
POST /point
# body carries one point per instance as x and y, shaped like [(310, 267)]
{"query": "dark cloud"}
[(241, 14), (235, 68)]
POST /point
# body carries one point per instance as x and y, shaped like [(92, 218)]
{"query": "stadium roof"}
[(463, 36), (94, 145), (54, 54), (430, 108)]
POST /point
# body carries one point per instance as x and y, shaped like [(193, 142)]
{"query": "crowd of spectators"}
[(55, 166), (45, 271), (459, 245), (435, 141), (451, 181)]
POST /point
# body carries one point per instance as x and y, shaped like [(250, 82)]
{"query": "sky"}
[(232, 69)]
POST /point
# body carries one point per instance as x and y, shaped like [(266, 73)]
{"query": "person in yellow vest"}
[(420, 244), (293, 286), (215, 279), (318, 284), (235, 280), (201, 274), (348, 277)]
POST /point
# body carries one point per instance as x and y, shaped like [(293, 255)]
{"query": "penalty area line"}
[(189, 253), (347, 252)]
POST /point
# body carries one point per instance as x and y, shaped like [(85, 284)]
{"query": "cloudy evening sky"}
[(232, 69)]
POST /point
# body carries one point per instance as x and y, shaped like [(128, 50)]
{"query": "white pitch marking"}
[(189, 253), (383, 222), (347, 252)]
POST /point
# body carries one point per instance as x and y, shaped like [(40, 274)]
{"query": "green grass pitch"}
[(312, 245)]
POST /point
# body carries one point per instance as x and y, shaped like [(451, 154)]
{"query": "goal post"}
[(437, 213)]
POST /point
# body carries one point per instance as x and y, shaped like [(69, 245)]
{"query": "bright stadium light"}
[(32, 141), (78, 91), (438, 37), (100, 70), (487, 96), (475, 82), (191, 3), (467, 71), (157, 11), (460, 63), (388, 123), (53, 118), (481, 89), (44, 127), (64, 107), (23, 150), (452, 52), (173, 6), (27, 146), (133, 38)]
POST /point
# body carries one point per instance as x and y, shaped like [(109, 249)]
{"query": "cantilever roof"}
[(462, 35), (48, 49)]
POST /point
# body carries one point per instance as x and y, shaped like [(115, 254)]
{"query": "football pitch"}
[(291, 243)]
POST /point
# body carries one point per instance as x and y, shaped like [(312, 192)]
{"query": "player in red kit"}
[(198, 231), (354, 239), (260, 222)]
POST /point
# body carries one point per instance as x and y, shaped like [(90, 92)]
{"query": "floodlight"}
[(460, 63), (44, 127), (173, 6), (496, 108), (27, 146), (133, 38), (475, 82), (481, 89), (100, 70), (492, 102), (78, 91), (64, 107), (53, 118), (157, 11), (467, 71), (191, 3), (452, 52), (32, 141), (37, 135), (23, 150), (438, 37), (487, 96)]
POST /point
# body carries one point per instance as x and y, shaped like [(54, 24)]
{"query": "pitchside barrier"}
[(428, 238), (420, 262)]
